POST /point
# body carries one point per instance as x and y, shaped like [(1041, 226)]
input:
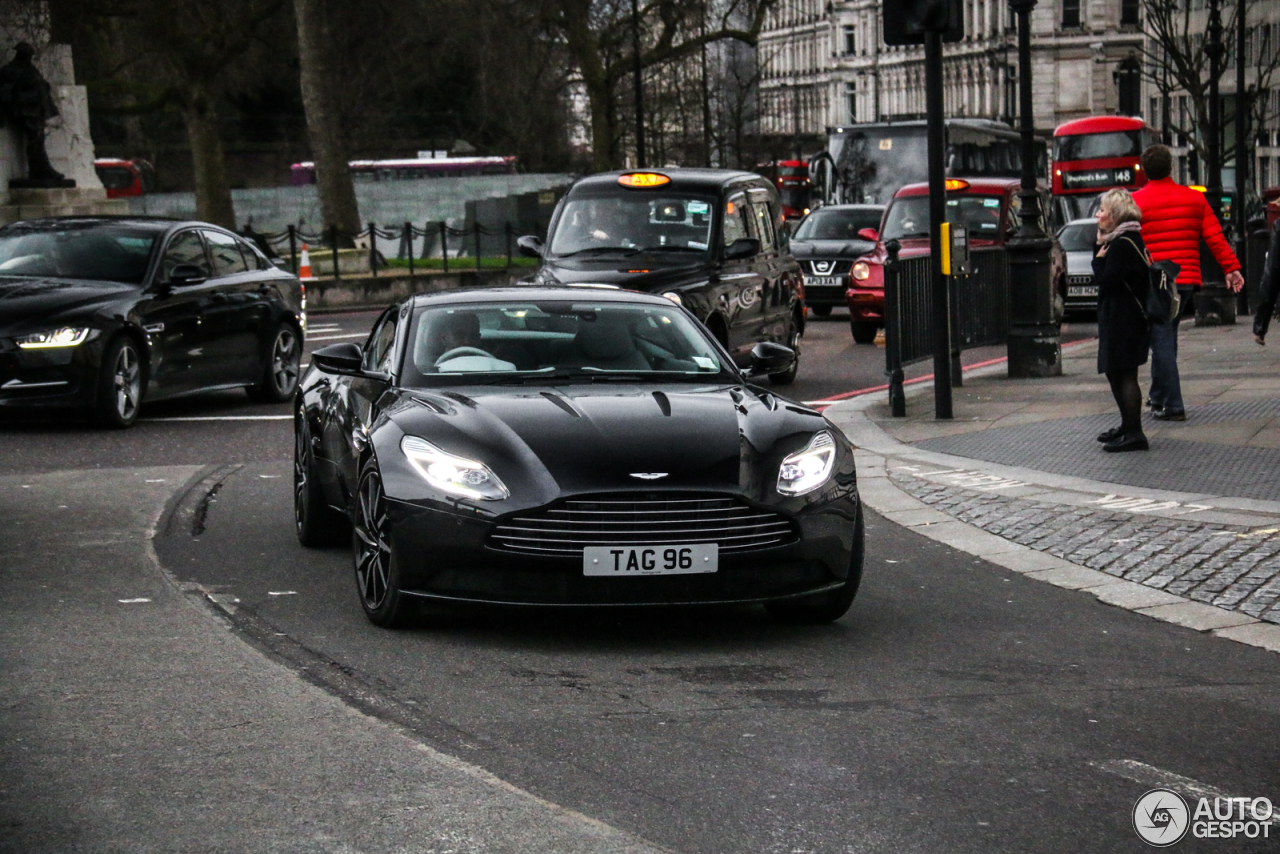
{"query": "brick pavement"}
[(1194, 522)]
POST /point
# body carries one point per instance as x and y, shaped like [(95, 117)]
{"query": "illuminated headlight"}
[(67, 336), (862, 271), (674, 297), (805, 471), (455, 475)]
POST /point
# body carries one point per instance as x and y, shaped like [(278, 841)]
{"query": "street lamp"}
[(1035, 346)]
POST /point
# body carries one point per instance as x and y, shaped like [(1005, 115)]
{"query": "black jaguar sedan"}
[(712, 240), (570, 446), (101, 314)]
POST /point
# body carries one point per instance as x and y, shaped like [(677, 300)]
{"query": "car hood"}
[(805, 249), (26, 302), (640, 273), (1079, 263), (548, 441)]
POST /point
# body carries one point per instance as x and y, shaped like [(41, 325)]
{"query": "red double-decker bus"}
[(792, 180), (1093, 155)]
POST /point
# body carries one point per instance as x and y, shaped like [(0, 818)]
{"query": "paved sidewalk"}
[(1188, 531)]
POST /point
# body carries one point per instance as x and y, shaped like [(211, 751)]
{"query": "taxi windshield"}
[(630, 223)]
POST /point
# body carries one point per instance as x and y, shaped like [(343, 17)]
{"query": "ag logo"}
[(1161, 817)]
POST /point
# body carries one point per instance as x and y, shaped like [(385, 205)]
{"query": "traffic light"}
[(906, 21)]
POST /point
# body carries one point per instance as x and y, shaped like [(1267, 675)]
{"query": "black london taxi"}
[(710, 240)]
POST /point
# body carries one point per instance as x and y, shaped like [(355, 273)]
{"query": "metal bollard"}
[(893, 332)]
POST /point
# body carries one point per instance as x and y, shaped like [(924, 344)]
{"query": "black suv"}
[(711, 240)]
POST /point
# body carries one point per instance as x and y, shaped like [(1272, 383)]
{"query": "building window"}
[(1128, 80), (851, 100), (1129, 12), (850, 39), (1264, 173), (1070, 14), (1182, 169)]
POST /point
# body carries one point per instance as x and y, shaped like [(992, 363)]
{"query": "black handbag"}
[(1163, 300)]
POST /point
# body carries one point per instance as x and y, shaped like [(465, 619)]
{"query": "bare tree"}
[(598, 38), (1176, 64), (317, 78)]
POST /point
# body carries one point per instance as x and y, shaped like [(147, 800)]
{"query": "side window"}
[(379, 353), (185, 248), (764, 227), (225, 251), (735, 219), (254, 256)]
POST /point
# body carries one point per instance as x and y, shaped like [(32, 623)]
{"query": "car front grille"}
[(838, 268), (567, 528)]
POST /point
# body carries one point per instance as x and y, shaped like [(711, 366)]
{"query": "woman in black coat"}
[(1268, 289), (1120, 269)]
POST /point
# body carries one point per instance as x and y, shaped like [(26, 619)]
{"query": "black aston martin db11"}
[(570, 446)]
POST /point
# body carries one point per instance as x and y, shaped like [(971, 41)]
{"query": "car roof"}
[(706, 180), (976, 185), (153, 223), (527, 293), (848, 208)]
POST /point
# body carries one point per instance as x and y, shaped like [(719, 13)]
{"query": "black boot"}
[(1127, 442)]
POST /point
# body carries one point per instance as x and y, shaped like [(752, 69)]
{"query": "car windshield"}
[(837, 224), (112, 252), (1092, 146), (633, 221), (1079, 237), (909, 216), (522, 341)]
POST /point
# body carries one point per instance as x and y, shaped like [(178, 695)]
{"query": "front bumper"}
[(55, 378), (448, 556), (865, 305)]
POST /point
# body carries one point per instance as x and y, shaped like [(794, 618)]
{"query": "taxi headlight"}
[(805, 471), (861, 271), (67, 336), (455, 475)]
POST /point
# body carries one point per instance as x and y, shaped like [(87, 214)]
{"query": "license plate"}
[(823, 281), (650, 560), (1082, 290)]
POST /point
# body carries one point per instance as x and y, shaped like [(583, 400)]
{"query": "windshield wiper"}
[(600, 249), (670, 248)]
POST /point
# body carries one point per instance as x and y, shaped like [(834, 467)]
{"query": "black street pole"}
[(1214, 50), (937, 215), (1035, 344), (639, 80), (1240, 210)]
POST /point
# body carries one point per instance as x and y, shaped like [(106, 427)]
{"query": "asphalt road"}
[(959, 707)]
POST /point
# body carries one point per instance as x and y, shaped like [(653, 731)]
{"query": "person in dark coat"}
[(1268, 288), (1120, 269)]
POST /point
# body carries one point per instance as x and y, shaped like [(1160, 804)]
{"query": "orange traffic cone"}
[(304, 266)]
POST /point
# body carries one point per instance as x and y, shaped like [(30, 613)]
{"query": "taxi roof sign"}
[(643, 179)]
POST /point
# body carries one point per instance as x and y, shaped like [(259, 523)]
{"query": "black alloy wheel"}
[(315, 522), (833, 604), (788, 376), (863, 333), (821, 310), (281, 367), (120, 384), (377, 575)]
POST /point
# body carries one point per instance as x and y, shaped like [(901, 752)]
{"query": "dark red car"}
[(988, 208)]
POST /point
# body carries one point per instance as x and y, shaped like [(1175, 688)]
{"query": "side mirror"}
[(770, 358), (343, 359), (187, 274), (530, 246), (743, 247), (869, 234)]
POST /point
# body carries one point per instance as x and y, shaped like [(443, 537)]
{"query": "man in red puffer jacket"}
[(1174, 220)]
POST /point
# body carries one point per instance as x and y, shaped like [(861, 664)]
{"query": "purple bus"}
[(412, 169)]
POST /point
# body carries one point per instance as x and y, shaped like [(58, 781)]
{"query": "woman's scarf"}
[(1123, 228)]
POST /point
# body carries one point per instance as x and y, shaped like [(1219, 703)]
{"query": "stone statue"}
[(26, 102)]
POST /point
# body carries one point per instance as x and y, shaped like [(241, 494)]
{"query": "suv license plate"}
[(650, 560), (823, 281), (1082, 290)]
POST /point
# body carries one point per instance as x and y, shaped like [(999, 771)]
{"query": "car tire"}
[(831, 605), (315, 522), (120, 383), (376, 564), (280, 370), (821, 310), (863, 333), (788, 376)]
